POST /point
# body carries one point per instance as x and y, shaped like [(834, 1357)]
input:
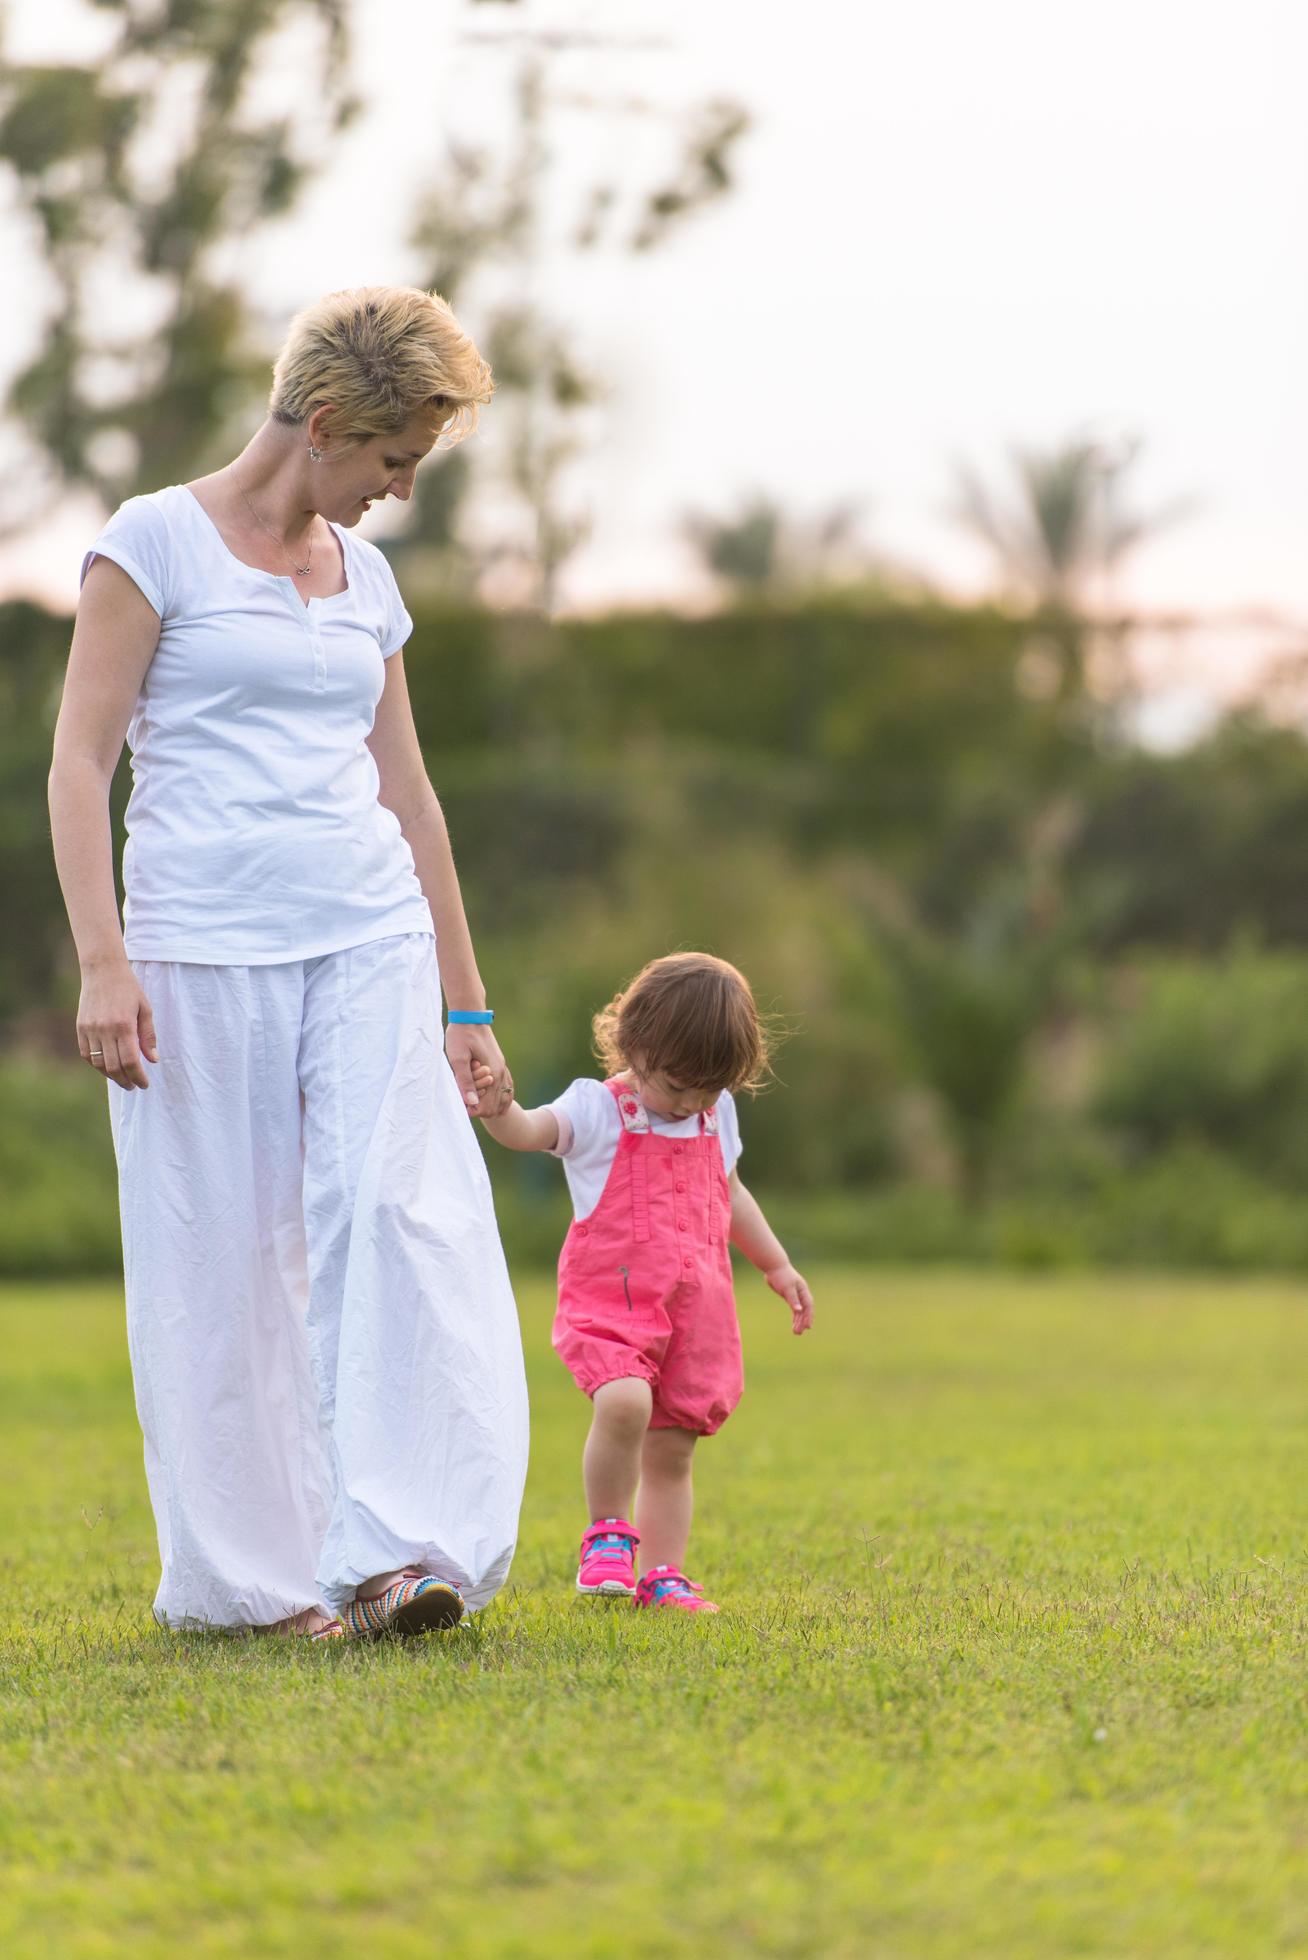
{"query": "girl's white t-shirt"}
[(254, 829), (589, 1128)]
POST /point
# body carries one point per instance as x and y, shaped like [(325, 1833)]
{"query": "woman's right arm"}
[(114, 641)]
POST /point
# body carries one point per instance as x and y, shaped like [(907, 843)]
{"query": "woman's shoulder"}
[(368, 560), (150, 511), (377, 596), (138, 536)]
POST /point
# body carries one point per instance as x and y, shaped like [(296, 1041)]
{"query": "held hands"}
[(469, 1048), (489, 1100), (793, 1288)]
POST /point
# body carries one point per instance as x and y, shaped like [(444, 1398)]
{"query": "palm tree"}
[(765, 551), (1066, 524)]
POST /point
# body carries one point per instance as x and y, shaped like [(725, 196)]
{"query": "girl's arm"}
[(405, 789), (523, 1129), (753, 1235)]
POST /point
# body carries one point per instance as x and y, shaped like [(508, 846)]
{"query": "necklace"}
[(301, 571)]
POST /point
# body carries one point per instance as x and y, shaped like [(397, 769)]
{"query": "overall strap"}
[(708, 1127), (635, 1123), (635, 1116)]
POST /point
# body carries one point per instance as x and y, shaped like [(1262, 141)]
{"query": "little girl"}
[(646, 1319)]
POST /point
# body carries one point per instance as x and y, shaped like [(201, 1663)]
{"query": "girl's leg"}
[(666, 1499), (610, 1464)]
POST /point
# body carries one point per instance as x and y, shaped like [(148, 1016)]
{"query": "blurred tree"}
[(762, 552), (1213, 1051), (1059, 530), (1190, 849), (1064, 527), (134, 168), (970, 997), (969, 1006), (481, 230)]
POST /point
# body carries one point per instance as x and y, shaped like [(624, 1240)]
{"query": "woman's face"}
[(383, 466)]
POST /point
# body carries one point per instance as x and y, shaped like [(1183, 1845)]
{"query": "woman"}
[(324, 1345)]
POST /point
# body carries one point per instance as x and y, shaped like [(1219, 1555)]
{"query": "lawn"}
[(1011, 1661)]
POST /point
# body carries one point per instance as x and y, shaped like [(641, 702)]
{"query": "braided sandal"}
[(413, 1603)]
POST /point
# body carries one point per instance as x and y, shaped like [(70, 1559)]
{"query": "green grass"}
[(1011, 1662)]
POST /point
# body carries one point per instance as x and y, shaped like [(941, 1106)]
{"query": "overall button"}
[(677, 1149), (682, 1225), (681, 1184), (688, 1262), (582, 1231)]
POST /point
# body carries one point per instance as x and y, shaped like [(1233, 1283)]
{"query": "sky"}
[(956, 229)]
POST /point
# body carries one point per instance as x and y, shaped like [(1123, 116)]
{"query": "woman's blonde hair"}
[(378, 354), (689, 1016)]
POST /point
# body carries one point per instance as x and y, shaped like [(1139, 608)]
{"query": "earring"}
[(315, 454)]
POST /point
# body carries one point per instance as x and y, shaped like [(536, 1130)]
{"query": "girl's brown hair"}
[(689, 1016)]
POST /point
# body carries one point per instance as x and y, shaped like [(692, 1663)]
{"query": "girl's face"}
[(663, 1095)]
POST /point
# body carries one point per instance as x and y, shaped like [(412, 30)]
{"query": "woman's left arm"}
[(405, 789)]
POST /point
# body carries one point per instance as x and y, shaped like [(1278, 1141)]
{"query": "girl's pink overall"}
[(645, 1280)]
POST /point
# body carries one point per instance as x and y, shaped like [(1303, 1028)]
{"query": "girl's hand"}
[(793, 1288), (487, 1100), (115, 1026), (468, 1047)]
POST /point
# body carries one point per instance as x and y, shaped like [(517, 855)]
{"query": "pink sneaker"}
[(608, 1558), (664, 1585)]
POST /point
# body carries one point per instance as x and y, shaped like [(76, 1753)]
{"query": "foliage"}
[(1215, 1053), (134, 167), (60, 1212), (484, 238), (1192, 849), (1031, 1684), (997, 947), (969, 1009)]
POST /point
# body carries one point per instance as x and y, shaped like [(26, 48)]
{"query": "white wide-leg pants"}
[(324, 1343)]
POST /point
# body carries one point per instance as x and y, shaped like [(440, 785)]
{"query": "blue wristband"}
[(467, 1017)]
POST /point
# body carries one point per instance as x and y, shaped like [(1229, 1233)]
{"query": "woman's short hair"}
[(689, 1016), (379, 354)]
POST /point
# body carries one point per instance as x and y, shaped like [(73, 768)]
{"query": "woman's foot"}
[(403, 1603), (667, 1585), (608, 1559), (312, 1624)]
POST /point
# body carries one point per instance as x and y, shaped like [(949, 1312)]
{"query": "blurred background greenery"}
[(1043, 987), (1044, 993)]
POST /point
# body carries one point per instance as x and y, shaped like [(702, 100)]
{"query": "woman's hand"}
[(473, 1047), (115, 1026)]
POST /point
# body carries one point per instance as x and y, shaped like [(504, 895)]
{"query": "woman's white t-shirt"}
[(589, 1128), (254, 829)]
